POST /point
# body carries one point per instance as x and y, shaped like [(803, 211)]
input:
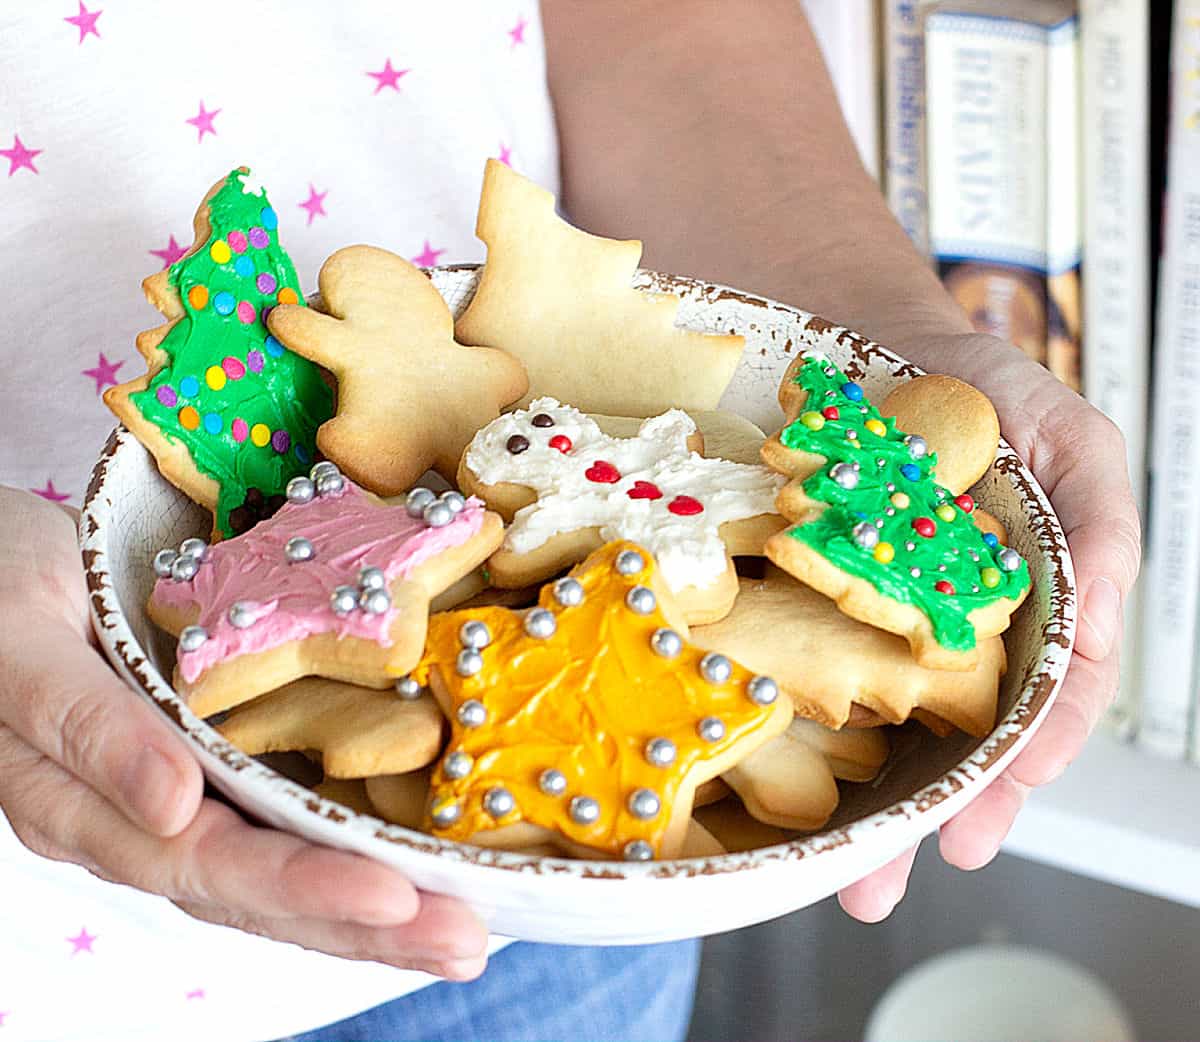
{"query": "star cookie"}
[(569, 488), (227, 412), (562, 301), (874, 531), (589, 720), (336, 584), (409, 396)]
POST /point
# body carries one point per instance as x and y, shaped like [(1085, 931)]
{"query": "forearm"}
[(711, 131)]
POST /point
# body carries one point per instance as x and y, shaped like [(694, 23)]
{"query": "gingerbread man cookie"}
[(569, 488)]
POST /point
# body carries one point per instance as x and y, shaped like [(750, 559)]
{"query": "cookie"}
[(731, 825), (590, 717), (569, 488), (832, 667), (874, 531), (357, 731), (562, 302), (721, 435), (228, 413), (336, 584), (349, 792), (400, 798), (790, 782), (409, 396)]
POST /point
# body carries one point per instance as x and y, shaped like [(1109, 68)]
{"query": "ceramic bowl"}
[(130, 512)]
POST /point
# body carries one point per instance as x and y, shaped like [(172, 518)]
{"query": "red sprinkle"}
[(603, 473), (685, 506), (830, 412), (561, 442), (942, 586), (925, 526), (644, 490), (964, 503)]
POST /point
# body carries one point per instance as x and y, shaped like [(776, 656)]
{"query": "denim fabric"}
[(543, 991)]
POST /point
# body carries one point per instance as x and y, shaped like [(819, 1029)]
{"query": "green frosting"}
[(956, 552), (228, 384)]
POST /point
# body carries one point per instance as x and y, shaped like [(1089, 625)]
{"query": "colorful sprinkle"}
[(287, 295), (237, 242), (644, 490), (246, 312), (233, 367), (852, 391), (964, 503), (830, 412), (220, 252), (990, 577), (991, 539), (240, 430), (301, 452), (259, 238), (224, 303), (166, 395), (189, 387), (255, 360), (281, 441), (685, 506), (946, 512), (212, 422), (266, 283), (602, 472), (876, 428), (561, 442), (814, 421), (884, 553), (944, 586), (273, 346), (189, 419), (268, 218), (260, 434), (900, 500), (214, 376), (924, 526), (244, 266), (911, 471), (198, 297)]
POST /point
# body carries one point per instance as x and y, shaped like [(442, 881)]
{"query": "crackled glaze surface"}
[(131, 511)]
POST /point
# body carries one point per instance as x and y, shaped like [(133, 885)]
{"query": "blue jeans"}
[(543, 991)]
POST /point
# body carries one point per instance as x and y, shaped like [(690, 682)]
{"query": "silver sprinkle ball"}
[(330, 484), (629, 562), (641, 600), (638, 850), (163, 561), (300, 490), (454, 500), (194, 547), (568, 592), (374, 602), (344, 600), (445, 814), (371, 579), (660, 752), (711, 729), (437, 514), (915, 572), (665, 642), (1008, 559), (240, 615), (715, 668), (762, 690), (552, 782), (468, 663), (184, 568), (845, 475), (644, 804), (918, 448), (299, 549), (540, 623), (320, 470), (192, 637), (474, 633), (457, 765), (866, 535), (408, 689), (584, 810), (417, 500), (498, 801), (472, 713)]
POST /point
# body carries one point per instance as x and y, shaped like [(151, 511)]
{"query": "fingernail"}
[(1102, 615), (462, 969), (151, 790)]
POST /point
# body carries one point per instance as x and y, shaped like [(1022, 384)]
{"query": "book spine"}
[(986, 132), (1172, 573), (904, 118), (1115, 53)]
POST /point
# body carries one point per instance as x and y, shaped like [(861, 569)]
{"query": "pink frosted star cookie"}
[(568, 488), (336, 584)]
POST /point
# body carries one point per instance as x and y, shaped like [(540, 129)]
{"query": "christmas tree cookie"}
[(876, 532), (227, 411)]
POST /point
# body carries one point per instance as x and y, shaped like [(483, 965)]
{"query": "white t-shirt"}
[(365, 122)]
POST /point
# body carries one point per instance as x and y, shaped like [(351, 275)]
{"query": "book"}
[(1115, 112), (904, 118), (1002, 152), (847, 33), (1171, 576)]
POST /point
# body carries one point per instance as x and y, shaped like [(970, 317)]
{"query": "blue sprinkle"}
[(852, 391), (212, 423), (859, 514), (301, 453), (273, 346), (224, 303), (244, 266), (911, 471), (991, 540), (268, 218), (189, 387)]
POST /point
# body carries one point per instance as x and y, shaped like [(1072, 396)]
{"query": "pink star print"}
[(428, 257), (19, 157), (517, 32), (52, 494), (197, 993), (83, 942), (505, 156), (3, 1013), (314, 204), (104, 374), (85, 22), (170, 253), (388, 77), (203, 122)]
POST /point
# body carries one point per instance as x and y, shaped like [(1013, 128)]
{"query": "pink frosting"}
[(349, 531)]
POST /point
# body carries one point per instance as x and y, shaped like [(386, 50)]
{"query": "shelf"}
[(1120, 816)]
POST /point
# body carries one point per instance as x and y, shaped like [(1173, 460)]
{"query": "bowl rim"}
[(992, 753)]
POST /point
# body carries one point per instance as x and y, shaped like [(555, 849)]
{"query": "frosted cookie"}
[(569, 488), (874, 531), (409, 396), (589, 717), (721, 435), (831, 665), (357, 731), (562, 301), (336, 584), (228, 413)]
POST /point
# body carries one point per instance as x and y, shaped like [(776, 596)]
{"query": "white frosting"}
[(688, 548)]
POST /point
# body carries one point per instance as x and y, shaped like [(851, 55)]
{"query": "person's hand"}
[(1078, 457), (89, 773)]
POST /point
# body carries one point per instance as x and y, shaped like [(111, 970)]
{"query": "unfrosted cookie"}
[(349, 792), (562, 302)]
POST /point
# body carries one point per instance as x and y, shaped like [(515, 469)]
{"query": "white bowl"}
[(131, 511)]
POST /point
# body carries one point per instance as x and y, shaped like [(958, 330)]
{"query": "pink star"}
[(52, 494), (314, 203), (19, 157), (170, 253), (517, 32), (197, 993), (104, 374), (203, 122), (505, 156), (428, 257), (389, 77), (3, 1013), (85, 21), (82, 943)]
